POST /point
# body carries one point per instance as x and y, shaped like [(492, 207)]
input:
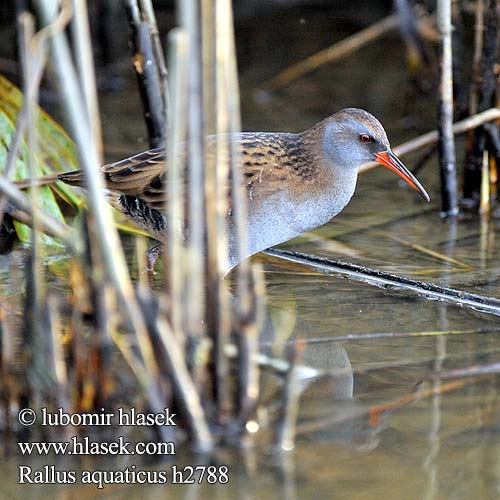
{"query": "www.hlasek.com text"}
[(85, 446)]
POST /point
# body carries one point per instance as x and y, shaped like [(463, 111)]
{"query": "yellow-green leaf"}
[(56, 153)]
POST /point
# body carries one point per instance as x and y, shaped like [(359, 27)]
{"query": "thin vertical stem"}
[(86, 74), (476, 61), (85, 67), (249, 326), (36, 337), (150, 18), (176, 176), (190, 13), (484, 201), (146, 61), (28, 57), (247, 310), (449, 195), (217, 184)]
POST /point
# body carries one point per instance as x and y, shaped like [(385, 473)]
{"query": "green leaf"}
[(56, 153)]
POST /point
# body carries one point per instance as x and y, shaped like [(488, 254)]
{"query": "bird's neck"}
[(327, 183)]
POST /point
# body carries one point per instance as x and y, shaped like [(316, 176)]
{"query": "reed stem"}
[(447, 161)]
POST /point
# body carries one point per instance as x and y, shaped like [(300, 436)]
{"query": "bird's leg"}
[(152, 256)]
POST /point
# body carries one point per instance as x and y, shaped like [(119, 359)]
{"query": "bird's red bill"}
[(392, 162)]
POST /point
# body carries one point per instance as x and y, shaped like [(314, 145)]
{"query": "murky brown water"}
[(376, 423)]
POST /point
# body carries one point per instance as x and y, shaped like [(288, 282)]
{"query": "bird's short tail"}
[(39, 181), (74, 178)]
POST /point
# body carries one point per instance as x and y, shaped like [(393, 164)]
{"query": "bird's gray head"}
[(353, 136)]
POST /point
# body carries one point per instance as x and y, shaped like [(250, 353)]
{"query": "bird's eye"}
[(365, 138)]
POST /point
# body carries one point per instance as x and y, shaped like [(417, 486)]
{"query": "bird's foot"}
[(152, 257)]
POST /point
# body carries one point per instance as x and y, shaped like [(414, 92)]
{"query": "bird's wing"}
[(262, 156), (141, 175)]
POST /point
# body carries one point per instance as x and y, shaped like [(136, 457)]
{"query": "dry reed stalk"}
[(484, 197), (85, 69), (28, 56), (217, 200), (176, 199), (105, 299), (35, 334), (476, 61), (149, 16), (189, 14), (447, 161), (47, 223), (249, 322), (149, 67), (218, 193), (247, 314)]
